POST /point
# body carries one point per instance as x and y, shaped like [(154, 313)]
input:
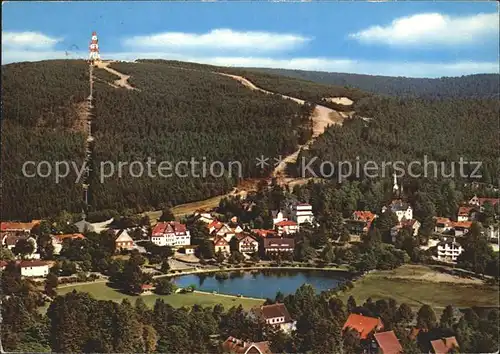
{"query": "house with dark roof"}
[(444, 345), (388, 343), (237, 346), (401, 208), (246, 243), (275, 315), (364, 325)]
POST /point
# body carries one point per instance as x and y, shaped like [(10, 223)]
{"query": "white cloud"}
[(28, 40), (218, 39), (432, 28), (346, 65)]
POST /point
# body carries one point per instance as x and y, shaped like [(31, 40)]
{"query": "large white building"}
[(448, 251), (172, 233)]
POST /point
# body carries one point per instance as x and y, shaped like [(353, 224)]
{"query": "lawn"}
[(400, 286), (101, 291)]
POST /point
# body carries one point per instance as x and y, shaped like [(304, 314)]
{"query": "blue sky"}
[(418, 39)]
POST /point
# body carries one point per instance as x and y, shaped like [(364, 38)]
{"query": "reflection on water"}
[(262, 283)]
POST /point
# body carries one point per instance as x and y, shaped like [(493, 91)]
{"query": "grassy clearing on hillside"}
[(188, 208), (101, 291), (405, 285)]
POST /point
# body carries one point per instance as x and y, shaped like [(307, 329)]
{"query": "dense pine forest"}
[(40, 121), (186, 110), (477, 86), (411, 129), (176, 115)]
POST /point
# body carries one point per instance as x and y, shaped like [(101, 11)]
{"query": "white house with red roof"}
[(221, 245), (171, 233), (286, 227)]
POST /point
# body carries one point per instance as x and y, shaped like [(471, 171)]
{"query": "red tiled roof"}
[(367, 216), (169, 227), (237, 346), (18, 226), (465, 224), (465, 210), (443, 346), (216, 223), (264, 233), (33, 263), (147, 286), (364, 325), (11, 238), (244, 237), (220, 241), (273, 311), (61, 238), (493, 201), (286, 223), (388, 342)]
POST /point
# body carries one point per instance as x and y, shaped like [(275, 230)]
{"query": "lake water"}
[(263, 283)]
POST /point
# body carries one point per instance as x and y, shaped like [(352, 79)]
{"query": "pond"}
[(262, 283)]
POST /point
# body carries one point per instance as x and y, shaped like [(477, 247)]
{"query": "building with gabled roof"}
[(286, 227), (264, 233), (246, 243), (448, 251), (237, 346), (278, 245), (401, 208), (10, 226), (364, 325), (388, 343), (275, 315), (57, 240), (444, 345), (170, 233), (221, 245), (123, 240)]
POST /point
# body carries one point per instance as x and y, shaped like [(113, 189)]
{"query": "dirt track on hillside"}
[(322, 118), (123, 79)]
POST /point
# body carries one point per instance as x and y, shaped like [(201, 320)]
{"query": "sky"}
[(413, 39)]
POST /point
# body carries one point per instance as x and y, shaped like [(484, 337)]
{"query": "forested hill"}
[(41, 121), (470, 86), (174, 115), (181, 111)]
